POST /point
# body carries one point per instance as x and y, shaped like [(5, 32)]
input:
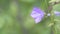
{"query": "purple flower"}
[(56, 13), (37, 14)]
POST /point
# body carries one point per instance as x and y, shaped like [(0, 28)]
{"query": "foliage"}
[(15, 17)]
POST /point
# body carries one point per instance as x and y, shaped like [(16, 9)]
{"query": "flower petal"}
[(38, 19), (37, 14)]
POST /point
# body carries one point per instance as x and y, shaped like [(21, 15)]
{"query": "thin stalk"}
[(51, 17)]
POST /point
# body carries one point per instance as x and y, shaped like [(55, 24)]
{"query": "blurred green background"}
[(15, 17)]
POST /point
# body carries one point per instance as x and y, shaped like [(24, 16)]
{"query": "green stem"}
[(51, 18)]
